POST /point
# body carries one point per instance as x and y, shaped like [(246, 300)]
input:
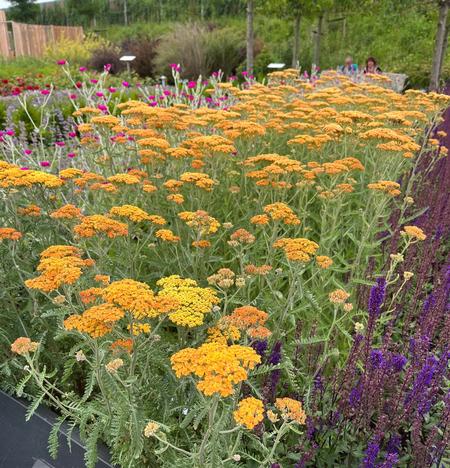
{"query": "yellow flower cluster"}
[(133, 213), (59, 265), (31, 210), (250, 412), (281, 212), (199, 179), (99, 224), (386, 186), (66, 212), (10, 233), (167, 235), (291, 410), (297, 249), (96, 321), (13, 176), (217, 365), (201, 221), (138, 299), (24, 345), (251, 320), (413, 232), (193, 302), (338, 296)]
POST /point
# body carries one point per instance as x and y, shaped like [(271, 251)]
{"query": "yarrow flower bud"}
[(113, 366), (151, 429), (398, 257), (80, 356), (407, 275)]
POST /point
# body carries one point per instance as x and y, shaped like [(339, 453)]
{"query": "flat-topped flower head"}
[(93, 225), (24, 345), (413, 232), (217, 366), (250, 412), (297, 249)]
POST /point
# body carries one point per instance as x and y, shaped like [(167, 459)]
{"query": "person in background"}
[(349, 67), (372, 66)]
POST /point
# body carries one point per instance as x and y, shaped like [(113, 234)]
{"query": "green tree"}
[(25, 11)]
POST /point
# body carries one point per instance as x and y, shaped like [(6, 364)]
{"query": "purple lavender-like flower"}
[(398, 362), (376, 358), (272, 382), (371, 454), (393, 445), (390, 461), (376, 297), (260, 346), (355, 395), (422, 381)]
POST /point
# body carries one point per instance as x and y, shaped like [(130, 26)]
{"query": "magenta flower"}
[(244, 73), (10, 132), (99, 94), (45, 92), (107, 67), (60, 144), (24, 168), (71, 155), (191, 84), (112, 90), (102, 107), (27, 152), (167, 92), (72, 134), (93, 81), (44, 163), (61, 62), (72, 96), (82, 69), (175, 66), (126, 84)]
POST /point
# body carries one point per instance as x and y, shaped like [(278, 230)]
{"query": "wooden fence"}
[(31, 40)]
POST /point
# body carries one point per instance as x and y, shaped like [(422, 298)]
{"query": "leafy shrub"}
[(106, 55), (225, 50), (144, 49), (75, 51)]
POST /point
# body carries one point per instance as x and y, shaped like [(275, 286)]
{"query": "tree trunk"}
[(444, 47), (439, 45), (296, 45), (250, 36), (125, 13), (317, 39)]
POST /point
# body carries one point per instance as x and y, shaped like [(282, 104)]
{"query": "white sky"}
[(5, 3)]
